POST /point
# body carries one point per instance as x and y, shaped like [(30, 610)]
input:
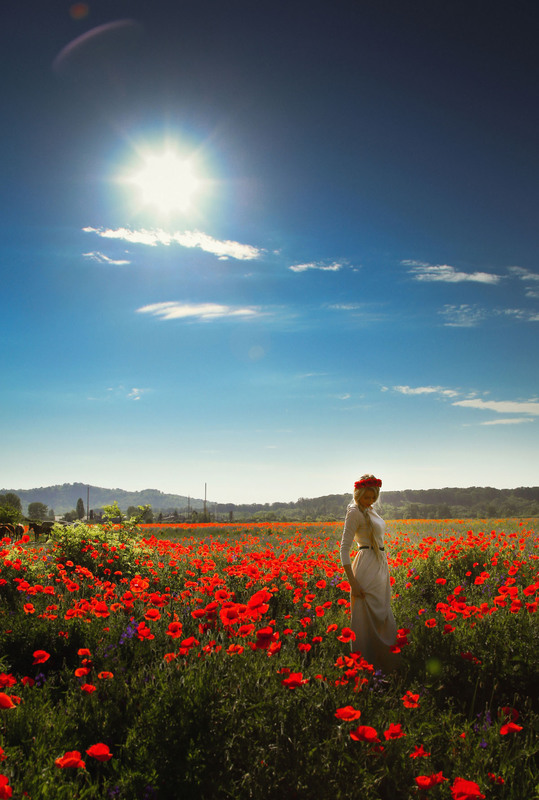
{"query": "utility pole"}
[(87, 503), (205, 487)]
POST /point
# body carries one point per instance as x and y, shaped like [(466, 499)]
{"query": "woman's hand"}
[(357, 591)]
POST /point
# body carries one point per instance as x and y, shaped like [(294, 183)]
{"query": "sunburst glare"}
[(166, 181)]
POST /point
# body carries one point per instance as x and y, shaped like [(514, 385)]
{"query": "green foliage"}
[(101, 549), (38, 511), (10, 513), (11, 500), (79, 510)]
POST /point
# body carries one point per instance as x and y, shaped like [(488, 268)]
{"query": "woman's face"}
[(367, 498)]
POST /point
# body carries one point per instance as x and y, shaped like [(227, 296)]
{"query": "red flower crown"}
[(375, 482)]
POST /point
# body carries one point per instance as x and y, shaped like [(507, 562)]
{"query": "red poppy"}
[(40, 656), (264, 637), (235, 649), (100, 609), (347, 635), (348, 713), (394, 731), (7, 680), (6, 701), (81, 672), (5, 790), (84, 652), (258, 603), (509, 714), (100, 752), (428, 781), (70, 759), (152, 615), (88, 688), (410, 700), (105, 675), (143, 632), (245, 630), (419, 750), (462, 789), (174, 630), (430, 623), (448, 628), (294, 680), (364, 733), (510, 727)]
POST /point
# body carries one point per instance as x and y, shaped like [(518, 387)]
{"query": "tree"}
[(9, 514), (37, 510), (80, 508), (12, 500)]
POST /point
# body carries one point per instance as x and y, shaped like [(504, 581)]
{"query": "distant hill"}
[(63, 498), (448, 503)]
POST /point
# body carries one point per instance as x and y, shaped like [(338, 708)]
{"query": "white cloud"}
[(319, 265), (511, 421), (101, 258), (462, 316), (502, 406), (425, 390), (527, 275), (116, 393), (224, 249), (524, 274), (201, 311), (346, 307), (468, 316), (445, 273), (135, 394)]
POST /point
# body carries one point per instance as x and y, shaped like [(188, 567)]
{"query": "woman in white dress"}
[(370, 592)]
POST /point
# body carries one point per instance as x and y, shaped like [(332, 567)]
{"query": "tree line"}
[(450, 503)]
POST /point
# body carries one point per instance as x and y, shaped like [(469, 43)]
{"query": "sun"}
[(167, 181)]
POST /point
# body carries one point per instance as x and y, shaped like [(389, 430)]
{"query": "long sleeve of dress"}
[(351, 524)]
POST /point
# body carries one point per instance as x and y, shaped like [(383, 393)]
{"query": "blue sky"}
[(351, 286)]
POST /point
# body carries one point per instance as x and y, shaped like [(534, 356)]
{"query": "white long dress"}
[(372, 619)]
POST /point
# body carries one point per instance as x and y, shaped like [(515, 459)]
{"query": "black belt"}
[(368, 547)]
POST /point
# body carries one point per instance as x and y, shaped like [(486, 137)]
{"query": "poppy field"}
[(214, 661)]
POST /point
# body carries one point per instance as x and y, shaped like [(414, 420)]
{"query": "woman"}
[(370, 593)]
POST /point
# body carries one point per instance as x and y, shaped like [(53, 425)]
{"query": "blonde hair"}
[(358, 494)]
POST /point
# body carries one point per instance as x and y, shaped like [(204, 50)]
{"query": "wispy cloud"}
[(422, 271), (524, 274), (223, 249), (529, 408), (425, 390), (502, 406), (120, 393), (511, 421), (530, 277), (101, 258), (468, 316), (199, 311), (462, 316), (335, 266), (135, 394), (346, 306)]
